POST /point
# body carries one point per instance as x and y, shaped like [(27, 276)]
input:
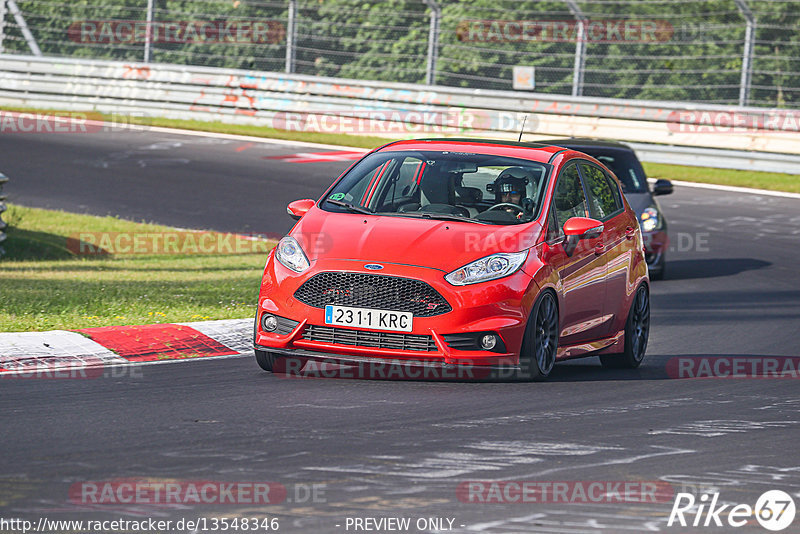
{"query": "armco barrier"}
[(3, 180), (264, 98)]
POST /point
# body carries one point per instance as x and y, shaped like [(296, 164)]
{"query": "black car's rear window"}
[(622, 163)]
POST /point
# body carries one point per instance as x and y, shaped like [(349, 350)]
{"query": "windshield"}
[(623, 164), (443, 185)]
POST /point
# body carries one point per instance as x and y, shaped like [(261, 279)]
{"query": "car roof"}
[(540, 152), (573, 142)]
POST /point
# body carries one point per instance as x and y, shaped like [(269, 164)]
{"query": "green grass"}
[(760, 180), (45, 285)]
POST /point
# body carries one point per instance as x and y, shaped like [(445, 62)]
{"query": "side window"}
[(615, 187), (603, 199), (568, 199), (554, 231)]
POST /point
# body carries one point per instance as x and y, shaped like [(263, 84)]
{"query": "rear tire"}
[(637, 331), (265, 360), (540, 344)]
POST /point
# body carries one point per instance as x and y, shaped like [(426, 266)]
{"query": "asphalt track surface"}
[(396, 448)]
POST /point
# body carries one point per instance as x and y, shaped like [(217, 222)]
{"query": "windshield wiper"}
[(439, 216), (351, 207)]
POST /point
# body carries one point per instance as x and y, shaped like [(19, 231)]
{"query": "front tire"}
[(539, 346), (637, 332)]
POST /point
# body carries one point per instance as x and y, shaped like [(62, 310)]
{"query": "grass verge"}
[(773, 181), (46, 283)]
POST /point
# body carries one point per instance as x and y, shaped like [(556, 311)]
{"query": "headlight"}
[(651, 219), (488, 268), (289, 253)]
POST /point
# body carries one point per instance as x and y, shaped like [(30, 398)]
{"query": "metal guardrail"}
[(267, 99), (717, 158), (3, 225)]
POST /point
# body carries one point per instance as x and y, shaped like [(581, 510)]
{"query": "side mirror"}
[(298, 208), (583, 228), (662, 187)]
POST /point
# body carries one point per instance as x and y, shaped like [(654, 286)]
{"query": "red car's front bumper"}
[(498, 307)]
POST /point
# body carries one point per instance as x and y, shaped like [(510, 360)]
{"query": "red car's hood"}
[(445, 245)]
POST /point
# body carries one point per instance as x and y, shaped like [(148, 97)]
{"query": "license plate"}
[(369, 318)]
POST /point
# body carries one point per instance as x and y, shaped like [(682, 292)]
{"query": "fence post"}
[(148, 32), (3, 180), (291, 36), (433, 41), (23, 27), (747, 53), (580, 48), (2, 24)]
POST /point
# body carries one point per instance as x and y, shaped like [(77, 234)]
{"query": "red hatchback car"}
[(489, 254)]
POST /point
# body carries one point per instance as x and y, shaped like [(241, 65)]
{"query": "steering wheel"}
[(507, 205)]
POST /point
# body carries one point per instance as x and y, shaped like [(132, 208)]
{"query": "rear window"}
[(623, 164)]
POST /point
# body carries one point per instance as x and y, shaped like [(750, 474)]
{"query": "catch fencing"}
[(727, 52)]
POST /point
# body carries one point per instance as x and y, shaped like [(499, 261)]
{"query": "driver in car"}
[(510, 187)]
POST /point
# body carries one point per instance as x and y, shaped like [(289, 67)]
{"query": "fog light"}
[(488, 342), (269, 323)]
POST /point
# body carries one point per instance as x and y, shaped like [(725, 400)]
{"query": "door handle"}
[(599, 248), (630, 232)]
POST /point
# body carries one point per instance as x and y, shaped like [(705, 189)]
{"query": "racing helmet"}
[(513, 180)]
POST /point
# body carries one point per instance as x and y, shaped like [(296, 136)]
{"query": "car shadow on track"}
[(572, 371), (685, 367), (590, 370), (655, 367), (711, 268)]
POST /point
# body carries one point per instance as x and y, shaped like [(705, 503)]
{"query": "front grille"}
[(363, 338), (372, 291)]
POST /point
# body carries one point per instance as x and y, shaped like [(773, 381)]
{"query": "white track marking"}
[(711, 429), (22, 352), (236, 334), (56, 350), (733, 189)]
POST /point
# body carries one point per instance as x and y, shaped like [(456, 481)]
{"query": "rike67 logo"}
[(774, 510)]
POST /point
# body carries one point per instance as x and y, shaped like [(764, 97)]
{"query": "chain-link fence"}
[(715, 51)]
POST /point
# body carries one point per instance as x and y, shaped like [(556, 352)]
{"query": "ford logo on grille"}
[(373, 266)]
